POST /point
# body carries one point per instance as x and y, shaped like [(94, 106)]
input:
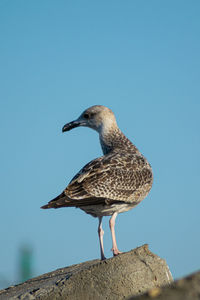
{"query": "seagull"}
[(111, 184)]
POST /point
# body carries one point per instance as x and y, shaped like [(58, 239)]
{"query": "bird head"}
[(97, 117)]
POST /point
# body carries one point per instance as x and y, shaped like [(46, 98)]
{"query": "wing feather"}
[(115, 177)]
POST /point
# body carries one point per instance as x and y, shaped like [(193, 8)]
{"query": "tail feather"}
[(63, 200), (57, 202)]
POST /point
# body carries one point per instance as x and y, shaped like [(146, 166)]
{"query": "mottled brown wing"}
[(114, 177), (108, 179), (75, 194)]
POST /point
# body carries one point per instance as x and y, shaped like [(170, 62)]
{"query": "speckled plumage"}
[(112, 183)]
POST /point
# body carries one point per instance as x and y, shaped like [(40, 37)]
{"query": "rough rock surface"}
[(131, 273), (187, 288)]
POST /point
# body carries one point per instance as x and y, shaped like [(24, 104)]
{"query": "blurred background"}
[(142, 60)]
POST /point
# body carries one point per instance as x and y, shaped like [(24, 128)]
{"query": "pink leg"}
[(112, 229), (101, 233)]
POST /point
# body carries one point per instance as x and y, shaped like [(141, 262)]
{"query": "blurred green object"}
[(25, 263)]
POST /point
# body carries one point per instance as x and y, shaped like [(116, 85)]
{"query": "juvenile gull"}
[(112, 183)]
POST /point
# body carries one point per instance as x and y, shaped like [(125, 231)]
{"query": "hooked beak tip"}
[(64, 128), (70, 126)]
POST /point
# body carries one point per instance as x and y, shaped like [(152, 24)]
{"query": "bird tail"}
[(57, 202)]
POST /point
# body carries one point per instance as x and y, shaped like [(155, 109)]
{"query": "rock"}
[(187, 288), (127, 274)]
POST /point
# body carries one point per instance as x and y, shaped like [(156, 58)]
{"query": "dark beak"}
[(70, 126)]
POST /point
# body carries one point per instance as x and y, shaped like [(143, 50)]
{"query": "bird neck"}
[(114, 140)]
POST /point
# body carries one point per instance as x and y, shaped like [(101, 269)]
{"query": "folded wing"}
[(113, 178)]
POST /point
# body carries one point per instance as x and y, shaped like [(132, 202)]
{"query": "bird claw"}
[(116, 252), (103, 258)]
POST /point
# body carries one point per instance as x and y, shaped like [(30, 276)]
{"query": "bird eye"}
[(86, 116), (89, 115)]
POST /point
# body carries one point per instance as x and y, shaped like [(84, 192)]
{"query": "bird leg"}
[(101, 233), (112, 229)]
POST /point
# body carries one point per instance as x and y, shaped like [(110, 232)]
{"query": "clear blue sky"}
[(142, 60)]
